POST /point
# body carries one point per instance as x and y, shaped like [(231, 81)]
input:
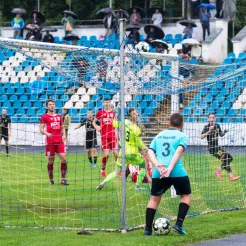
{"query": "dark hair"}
[(211, 114), (176, 120), (106, 99), (130, 110), (49, 101)]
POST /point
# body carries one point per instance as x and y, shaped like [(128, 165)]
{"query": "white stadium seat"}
[(81, 91), (21, 74), (74, 98), (31, 74), (68, 105), (79, 104), (173, 52), (128, 98), (41, 73), (6, 63), (5, 78), (92, 91), (38, 68), (24, 79), (85, 98), (237, 105)]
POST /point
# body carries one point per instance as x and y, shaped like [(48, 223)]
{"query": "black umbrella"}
[(39, 15), (159, 42), (123, 13), (158, 31), (187, 22), (105, 11), (151, 11), (71, 13), (18, 11), (139, 10), (132, 27), (32, 27), (49, 29), (71, 37)]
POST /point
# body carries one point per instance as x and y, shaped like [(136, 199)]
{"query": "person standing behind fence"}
[(67, 122), (205, 21), (108, 23), (157, 18), (18, 24), (67, 22)]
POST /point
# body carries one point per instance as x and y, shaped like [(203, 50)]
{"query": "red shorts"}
[(109, 143), (55, 148)]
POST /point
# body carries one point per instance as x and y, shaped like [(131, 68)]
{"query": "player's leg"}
[(89, 154), (60, 150), (159, 186), (105, 148), (114, 147), (226, 160), (7, 145), (217, 153), (50, 154), (183, 188), (94, 154)]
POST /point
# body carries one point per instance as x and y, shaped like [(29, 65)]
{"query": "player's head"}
[(133, 115), (211, 118), (50, 105), (4, 112), (107, 104), (64, 111), (89, 114), (176, 120)]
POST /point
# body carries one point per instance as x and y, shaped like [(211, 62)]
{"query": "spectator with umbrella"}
[(135, 17), (186, 49), (205, 21), (108, 19), (48, 38), (188, 30), (37, 19), (134, 36), (72, 37), (18, 22), (153, 32), (159, 45), (68, 21), (157, 17), (32, 30)]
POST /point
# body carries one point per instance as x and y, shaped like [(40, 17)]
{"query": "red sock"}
[(50, 170), (63, 169), (104, 162)]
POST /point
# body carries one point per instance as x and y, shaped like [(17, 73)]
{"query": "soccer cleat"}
[(64, 182), (93, 165), (233, 178), (179, 229), (138, 187), (100, 187), (52, 182), (103, 174), (217, 173), (147, 233)]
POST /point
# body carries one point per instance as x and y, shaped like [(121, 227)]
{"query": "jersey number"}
[(166, 151), (127, 136)]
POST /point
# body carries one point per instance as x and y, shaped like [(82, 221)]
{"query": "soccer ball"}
[(142, 47), (162, 226)]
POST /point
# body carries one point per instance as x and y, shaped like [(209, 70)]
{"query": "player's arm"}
[(95, 125), (63, 131), (160, 167), (206, 131), (82, 123), (43, 131), (222, 133), (10, 128)]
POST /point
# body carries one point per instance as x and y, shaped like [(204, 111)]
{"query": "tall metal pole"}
[(70, 4), (183, 8), (130, 3), (110, 3), (164, 5), (122, 117), (38, 5)]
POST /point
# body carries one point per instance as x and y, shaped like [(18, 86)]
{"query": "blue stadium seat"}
[(159, 98), (209, 110), (221, 112), (239, 120), (148, 111), (203, 119), (232, 112), (16, 104), (20, 112), (10, 111), (242, 112), (76, 119), (148, 97), (179, 37), (99, 104), (231, 55), (16, 85), (132, 104), (28, 68), (154, 105), (6, 104), (2, 91), (186, 111), (64, 98), (58, 104), (41, 111), (83, 111), (37, 105), (227, 61), (31, 112), (27, 105), (168, 37), (3, 98), (14, 119), (7, 85), (90, 105), (20, 91), (227, 120), (26, 85), (242, 55), (73, 111), (23, 119), (10, 91), (198, 112), (43, 98), (173, 41), (95, 98), (33, 98), (34, 119), (23, 98)]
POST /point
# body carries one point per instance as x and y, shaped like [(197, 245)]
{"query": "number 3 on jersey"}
[(166, 151), (127, 136)]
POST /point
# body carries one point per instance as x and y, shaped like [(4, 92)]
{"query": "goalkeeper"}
[(134, 144)]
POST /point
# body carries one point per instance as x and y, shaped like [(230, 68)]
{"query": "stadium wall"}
[(28, 134), (239, 42)]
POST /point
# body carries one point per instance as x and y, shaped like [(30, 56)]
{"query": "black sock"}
[(90, 159), (150, 214), (183, 210), (95, 159), (7, 149)]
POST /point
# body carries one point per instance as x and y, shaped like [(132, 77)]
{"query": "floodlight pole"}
[(110, 4), (38, 5), (122, 119)]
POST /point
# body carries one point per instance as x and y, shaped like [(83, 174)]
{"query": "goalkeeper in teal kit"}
[(134, 148)]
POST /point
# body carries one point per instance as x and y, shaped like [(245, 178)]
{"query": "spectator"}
[(18, 24), (135, 18), (194, 9), (38, 22), (29, 35), (67, 22), (157, 18), (186, 52), (188, 31), (48, 38), (66, 119), (205, 21), (38, 86), (151, 35), (108, 23), (133, 38)]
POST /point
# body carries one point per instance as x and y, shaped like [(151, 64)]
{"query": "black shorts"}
[(4, 136), (219, 153), (91, 143), (181, 185)]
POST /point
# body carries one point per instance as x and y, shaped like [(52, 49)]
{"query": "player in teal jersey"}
[(165, 154), (134, 150)]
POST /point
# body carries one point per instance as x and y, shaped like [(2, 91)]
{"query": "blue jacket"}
[(205, 17)]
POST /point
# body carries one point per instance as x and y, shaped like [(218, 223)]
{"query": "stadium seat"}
[(41, 111), (186, 111), (231, 55), (3, 98), (23, 119), (133, 104), (34, 119), (6, 104), (75, 98), (148, 97), (73, 111), (154, 105), (20, 91), (85, 98), (31, 112), (23, 98), (232, 112), (81, 91), (68, 105), (168, 37), (79, 105), (83, 111), (148, 111), (10, 91), (20, 112), (14, 119), (27, 105), (221, 112)]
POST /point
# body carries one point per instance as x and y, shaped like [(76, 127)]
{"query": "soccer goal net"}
[(80, 80)]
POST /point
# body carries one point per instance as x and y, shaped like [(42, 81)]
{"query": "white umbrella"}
[(190, 41)]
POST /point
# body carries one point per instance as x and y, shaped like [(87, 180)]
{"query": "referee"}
[(91, 137), (212, 131), (5, 129)]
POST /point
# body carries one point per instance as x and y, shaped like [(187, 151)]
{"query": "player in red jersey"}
[(108, 133), (51, 125)]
